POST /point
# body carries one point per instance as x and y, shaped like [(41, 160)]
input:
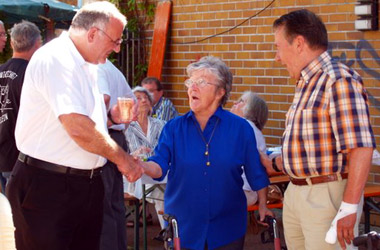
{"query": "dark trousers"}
[(3, 183), (114, 234), (55, 211)]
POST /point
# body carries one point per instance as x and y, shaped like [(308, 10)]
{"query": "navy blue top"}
[(208, 201)]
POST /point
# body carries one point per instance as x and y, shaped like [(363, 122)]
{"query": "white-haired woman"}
[(203, 152), (142, 136), (255, 110)]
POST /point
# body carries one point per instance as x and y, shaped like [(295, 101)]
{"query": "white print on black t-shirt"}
[(4, 90), (8, 74), (3, 118)]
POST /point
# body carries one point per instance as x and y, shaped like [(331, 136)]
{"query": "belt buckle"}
[(92, 173), (22, 157)]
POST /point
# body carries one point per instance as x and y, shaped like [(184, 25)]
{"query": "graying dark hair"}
[(96, 14), (255, 109), (145, 91), (24, 36), (304, 23), (216, 67)]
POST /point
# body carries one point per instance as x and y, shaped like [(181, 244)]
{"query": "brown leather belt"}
[(52, 167), (318, 179)]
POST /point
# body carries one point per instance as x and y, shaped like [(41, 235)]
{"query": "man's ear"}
[(300, 43), (91, 34)]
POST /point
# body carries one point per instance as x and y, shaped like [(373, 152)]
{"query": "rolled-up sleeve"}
[(163, 151)]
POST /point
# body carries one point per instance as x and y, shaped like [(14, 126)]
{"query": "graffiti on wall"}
[(361, 46)]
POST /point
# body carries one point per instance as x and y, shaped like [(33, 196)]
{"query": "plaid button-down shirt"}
[(328, 117)]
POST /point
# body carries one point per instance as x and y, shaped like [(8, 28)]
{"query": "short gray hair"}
[(24, 36), (218, 68), (97, 14), (255, 109), (145, 91)]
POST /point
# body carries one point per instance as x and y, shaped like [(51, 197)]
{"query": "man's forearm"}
[(359, 164), (84, 132)]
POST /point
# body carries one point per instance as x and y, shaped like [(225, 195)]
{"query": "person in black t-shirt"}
[(25, 40)]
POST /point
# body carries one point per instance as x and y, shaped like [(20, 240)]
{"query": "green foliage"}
[(140, 14), (140, 71)]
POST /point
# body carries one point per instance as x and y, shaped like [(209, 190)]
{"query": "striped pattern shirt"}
[(164, 110), (137, 139), (328, 117)]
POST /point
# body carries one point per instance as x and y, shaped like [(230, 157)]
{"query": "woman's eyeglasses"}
[(200, 83)]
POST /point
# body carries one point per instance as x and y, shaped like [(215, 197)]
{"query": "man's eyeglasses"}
[(200, 83), (3, 34), (116, 42)]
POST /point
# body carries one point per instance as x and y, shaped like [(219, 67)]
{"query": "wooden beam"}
[(160, 32)]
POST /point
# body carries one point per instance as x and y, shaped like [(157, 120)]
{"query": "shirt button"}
[(205, 173), (206, 189)]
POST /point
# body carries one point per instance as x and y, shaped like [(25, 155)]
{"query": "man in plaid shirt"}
[(163, 108), (328, 140)]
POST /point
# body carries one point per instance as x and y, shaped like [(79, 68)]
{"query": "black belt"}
[(58, 168)]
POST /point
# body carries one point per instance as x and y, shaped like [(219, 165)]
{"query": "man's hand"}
[(135, 110), (267, 163), (345, 230), (116, 116), (130, 168), (142, 151)]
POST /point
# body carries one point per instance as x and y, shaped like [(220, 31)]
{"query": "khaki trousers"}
[(308, 213)]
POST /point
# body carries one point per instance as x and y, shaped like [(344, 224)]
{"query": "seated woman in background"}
[(255, 110), (142, 136)]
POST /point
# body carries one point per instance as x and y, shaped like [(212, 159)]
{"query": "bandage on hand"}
[(344, 210)]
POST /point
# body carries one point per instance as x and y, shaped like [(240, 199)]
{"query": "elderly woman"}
[(255, 110), (142, 136), (203, 153)]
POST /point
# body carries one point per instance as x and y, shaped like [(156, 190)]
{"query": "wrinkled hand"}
[(115, 113), (345, 230), (116, 116), (264, 211), (131, 168), (141, 151)]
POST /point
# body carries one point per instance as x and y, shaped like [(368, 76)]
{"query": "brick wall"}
[(249, 51)]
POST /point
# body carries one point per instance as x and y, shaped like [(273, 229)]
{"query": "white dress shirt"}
[(58, 81), (112, 82)]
